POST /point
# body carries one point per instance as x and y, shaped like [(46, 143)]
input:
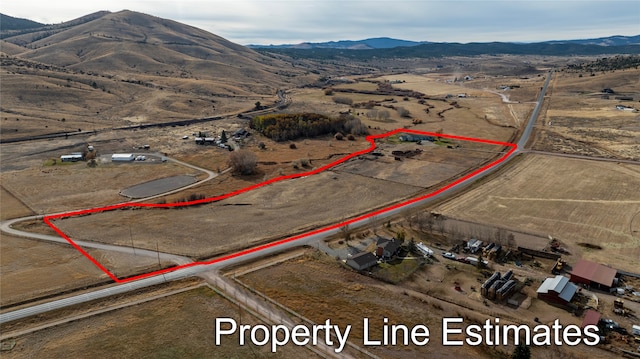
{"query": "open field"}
[(69, 186), (11, 207), (284, 207), (278, 209), (32, 268), (580, 119), (319, 288), (481, 113), (574, 200), (180, 325)]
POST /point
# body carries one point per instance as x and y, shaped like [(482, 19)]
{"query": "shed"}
[(362, 261), (593, 274), (557, 290), (122, 157), (591, 317)]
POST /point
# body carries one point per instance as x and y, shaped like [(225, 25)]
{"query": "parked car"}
[(449, 255)]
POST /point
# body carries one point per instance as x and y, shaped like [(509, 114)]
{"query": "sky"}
[(294, 21)]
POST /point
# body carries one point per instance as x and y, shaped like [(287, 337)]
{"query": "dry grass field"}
[(33, 269), (574, 200), (64, 187), (11, 207), (580, 119), (481, 114), (180, 325), (319, 288), (273, 211)]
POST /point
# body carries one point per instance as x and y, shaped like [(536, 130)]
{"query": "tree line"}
[(286, 127)]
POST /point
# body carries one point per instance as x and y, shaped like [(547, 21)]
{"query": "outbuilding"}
[(594, 275), (74, 157), (122, 157), (362, 261), (557, 290)]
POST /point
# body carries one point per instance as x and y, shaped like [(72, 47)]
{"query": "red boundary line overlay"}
[(371, 139)]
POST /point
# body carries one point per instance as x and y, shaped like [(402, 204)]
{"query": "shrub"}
[(243, 162), (339, 136), (293, 146), (343, 100)]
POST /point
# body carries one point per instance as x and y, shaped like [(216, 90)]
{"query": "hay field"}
[(576, 201)]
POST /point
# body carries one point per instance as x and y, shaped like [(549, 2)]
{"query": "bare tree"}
[(243, 162), (383, 115)]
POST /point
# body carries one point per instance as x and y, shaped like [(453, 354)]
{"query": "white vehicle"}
[(449, 255)]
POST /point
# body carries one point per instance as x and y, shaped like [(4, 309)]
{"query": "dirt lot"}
[(319, 288), (180, 325), (599, 208)]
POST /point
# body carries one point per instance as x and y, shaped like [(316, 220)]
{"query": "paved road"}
[(265, 250)]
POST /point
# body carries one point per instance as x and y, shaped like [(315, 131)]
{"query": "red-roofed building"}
[(591, 317), (593, 274)]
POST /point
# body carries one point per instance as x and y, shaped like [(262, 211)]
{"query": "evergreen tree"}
[(521, 352)]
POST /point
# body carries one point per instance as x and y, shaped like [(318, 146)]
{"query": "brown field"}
[(350, 189), (11, 207), (61, 187), (319, 288), (273, 211), (574, 200), (580, 120), (32, 268), (179, 325), (482, 114)]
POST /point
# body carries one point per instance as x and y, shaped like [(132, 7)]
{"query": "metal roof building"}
[(593, 274), (558, 290)]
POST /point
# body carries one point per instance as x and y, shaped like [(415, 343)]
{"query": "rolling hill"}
[(112, 69)]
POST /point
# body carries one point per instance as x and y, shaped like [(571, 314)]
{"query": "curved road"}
[(265, 250)]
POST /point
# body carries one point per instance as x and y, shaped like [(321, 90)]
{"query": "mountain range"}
[(389, 43)]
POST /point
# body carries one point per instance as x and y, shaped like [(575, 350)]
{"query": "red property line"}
[(371, 139)]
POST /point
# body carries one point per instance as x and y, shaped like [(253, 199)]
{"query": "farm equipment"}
[(619, 308), (557, 268)]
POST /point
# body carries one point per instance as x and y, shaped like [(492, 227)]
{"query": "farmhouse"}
[(557, 290), (122, 157), (362, 261), (387, 248), (594, 275)]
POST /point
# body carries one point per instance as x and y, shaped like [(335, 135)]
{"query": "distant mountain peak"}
[(365, 44)]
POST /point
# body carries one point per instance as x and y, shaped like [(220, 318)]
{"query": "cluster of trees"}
[(285, 127), (608, 64)]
